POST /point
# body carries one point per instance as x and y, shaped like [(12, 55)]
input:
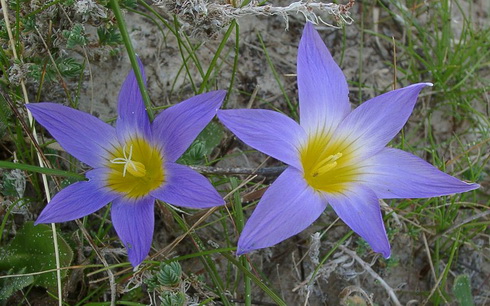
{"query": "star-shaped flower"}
[(336, 155), (133, 163)]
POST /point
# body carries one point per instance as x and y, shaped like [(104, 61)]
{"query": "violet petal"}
[(393, 173), (79, 199), (287, 207), (185, 187), (359, 209), (134, 222), (132, 118), (82, 135), (270, 132), (178, 126), (322, 88)]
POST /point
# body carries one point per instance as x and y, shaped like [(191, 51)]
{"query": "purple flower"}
[(134, 163), (336, 155)]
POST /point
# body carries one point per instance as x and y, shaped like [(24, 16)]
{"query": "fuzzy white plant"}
[(216, 15), (17, 180), (90, 8), (310, 9)]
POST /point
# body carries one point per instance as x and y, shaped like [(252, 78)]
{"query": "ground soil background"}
[(288, 264), (284, 264)]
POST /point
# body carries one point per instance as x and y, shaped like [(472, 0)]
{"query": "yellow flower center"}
[(328, 165), (136, 168)]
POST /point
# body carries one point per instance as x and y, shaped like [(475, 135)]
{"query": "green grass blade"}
[(10, 165), (132, 56)]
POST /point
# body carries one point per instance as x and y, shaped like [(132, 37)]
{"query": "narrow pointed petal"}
[(185, 187), (132, 118), (80, 134), (287, 207), (375, 122), (270, 132), (78, 199), (359, 209), (134, 222), (323, 90), (178, 126), (394, 173)]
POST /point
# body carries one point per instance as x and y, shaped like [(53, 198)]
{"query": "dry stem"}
[(375, 275)]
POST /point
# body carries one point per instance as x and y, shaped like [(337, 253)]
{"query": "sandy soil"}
[(284, 264)]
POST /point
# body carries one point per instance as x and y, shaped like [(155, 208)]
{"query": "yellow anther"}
[(135, 168), (327, 164)]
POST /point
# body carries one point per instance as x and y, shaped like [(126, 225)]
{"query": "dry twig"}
[(375, 275)]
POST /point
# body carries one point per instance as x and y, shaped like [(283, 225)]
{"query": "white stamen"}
[(126, 160)]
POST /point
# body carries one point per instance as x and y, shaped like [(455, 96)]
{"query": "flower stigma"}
[(137, 171)]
